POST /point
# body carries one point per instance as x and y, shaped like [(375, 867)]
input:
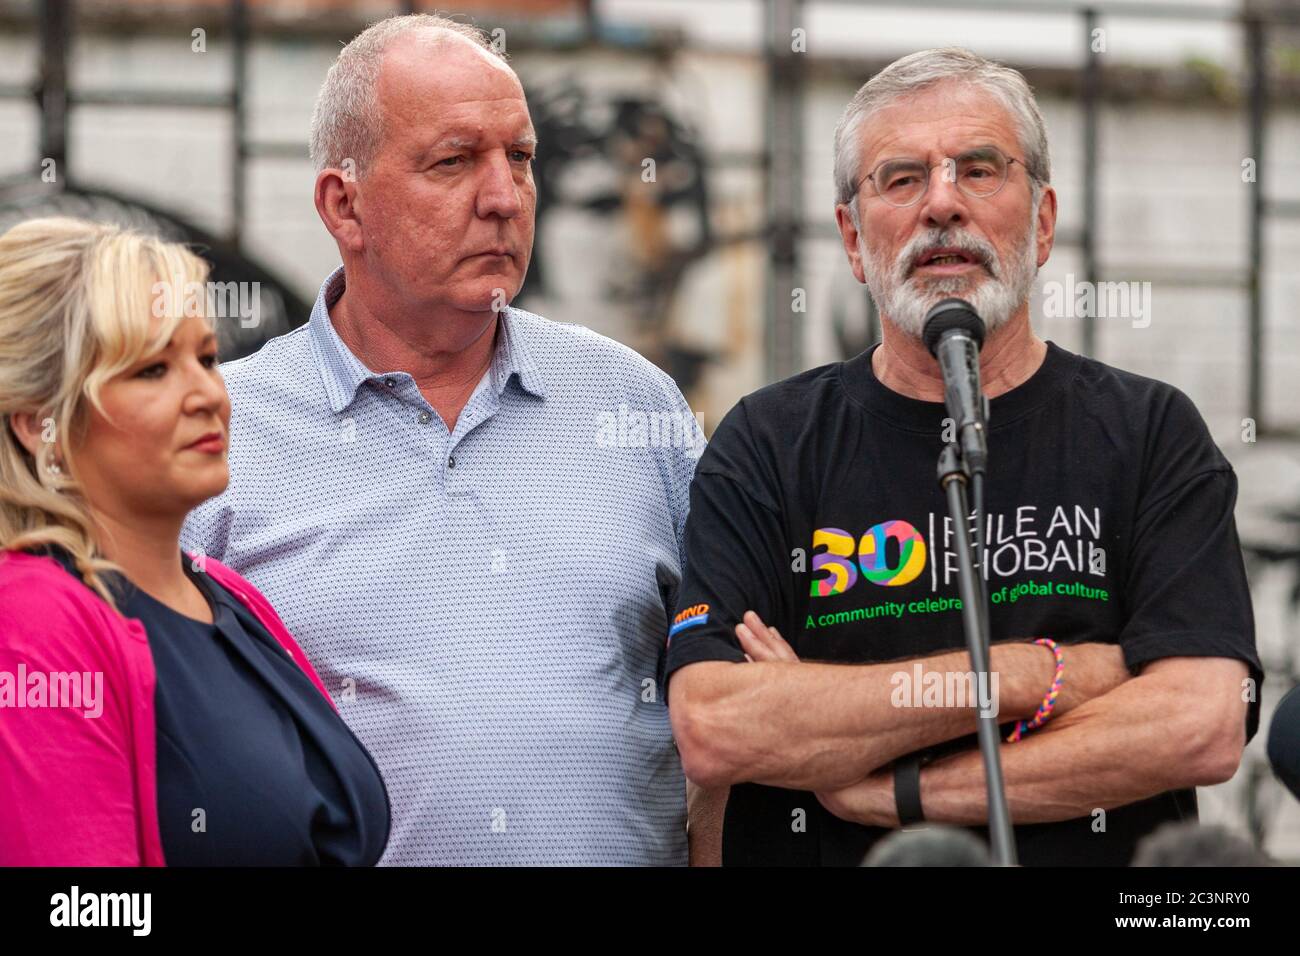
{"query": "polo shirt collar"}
[(342, 373), (514, 358)]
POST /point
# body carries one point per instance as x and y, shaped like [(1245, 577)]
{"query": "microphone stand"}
[(953, 478)]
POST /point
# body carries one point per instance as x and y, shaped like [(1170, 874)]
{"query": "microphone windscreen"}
[(951, 314)]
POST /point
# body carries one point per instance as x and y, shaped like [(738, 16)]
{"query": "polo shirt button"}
[(389, 382), (424, 418), (451, 462)]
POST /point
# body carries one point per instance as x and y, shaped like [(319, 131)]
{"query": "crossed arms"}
[(831, 728)]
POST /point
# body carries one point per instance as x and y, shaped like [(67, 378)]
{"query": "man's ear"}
[(849, 235), (1045, 227), (337, 204)]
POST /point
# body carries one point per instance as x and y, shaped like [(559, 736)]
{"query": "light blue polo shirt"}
[(488, 607)]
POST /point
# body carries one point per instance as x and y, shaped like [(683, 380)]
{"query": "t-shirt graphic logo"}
[(873, 557), (693, 616)]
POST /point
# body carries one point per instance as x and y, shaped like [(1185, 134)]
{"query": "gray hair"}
[(914, 73), (347, 122), (1188, 843), (933, 846)]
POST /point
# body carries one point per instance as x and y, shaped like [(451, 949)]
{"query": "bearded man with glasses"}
[(818, 537)]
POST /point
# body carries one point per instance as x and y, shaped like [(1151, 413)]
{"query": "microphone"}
[(954, 333)]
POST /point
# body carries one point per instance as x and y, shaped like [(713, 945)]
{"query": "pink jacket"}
[(78, 790)]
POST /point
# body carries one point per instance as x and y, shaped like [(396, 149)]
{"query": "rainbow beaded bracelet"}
[(1049, 702)]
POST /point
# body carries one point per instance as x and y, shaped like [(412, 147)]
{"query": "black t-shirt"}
[(1110, 518)]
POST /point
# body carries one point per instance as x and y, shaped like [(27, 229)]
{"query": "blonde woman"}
[(153, 708)]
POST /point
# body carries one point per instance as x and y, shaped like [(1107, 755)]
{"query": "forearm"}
[(1107, 753), (705, 810), (821, 726)]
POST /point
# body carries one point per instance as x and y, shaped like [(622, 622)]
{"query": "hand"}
[(869, 802), (763, 643)]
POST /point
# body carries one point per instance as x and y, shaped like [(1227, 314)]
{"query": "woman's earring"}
[(54, 468)]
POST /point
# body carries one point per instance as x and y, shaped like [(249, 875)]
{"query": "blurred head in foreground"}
[(932, 846), (1191, 844)]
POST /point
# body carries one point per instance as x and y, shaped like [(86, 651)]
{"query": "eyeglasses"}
[(980, 173)]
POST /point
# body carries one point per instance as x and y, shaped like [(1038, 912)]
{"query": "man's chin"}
[(490, 297), (929, 292), (913, 301)]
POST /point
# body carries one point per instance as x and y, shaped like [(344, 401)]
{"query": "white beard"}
[(996, 294)]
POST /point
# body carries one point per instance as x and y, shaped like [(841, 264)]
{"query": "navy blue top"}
[(255, 768)]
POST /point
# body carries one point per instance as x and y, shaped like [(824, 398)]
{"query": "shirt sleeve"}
[(679, 443), (67, 785), (734, 553), (1185, 588), (676, 456)]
